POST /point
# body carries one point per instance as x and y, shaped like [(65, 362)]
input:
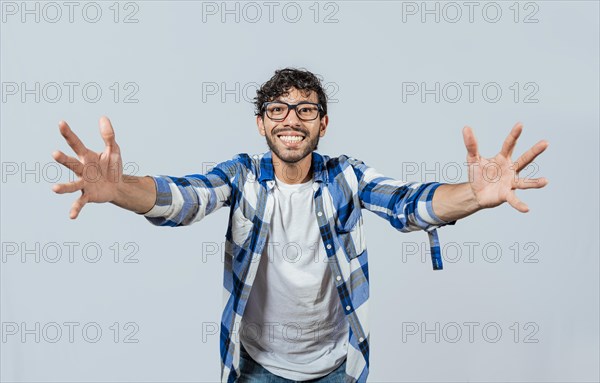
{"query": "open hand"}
[(494, 180), (99, 174)]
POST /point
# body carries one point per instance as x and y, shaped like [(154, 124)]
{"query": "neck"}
[(292, 173)]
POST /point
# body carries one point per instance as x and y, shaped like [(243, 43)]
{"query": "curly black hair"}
[(283, 80)]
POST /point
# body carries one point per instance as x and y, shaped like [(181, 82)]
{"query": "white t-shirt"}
[(294, 324)]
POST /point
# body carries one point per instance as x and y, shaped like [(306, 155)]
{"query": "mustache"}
[(289, 131)]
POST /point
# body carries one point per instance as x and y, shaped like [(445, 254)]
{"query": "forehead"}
[(294, 96)]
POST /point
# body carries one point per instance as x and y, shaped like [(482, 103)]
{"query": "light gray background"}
[(366, 57)]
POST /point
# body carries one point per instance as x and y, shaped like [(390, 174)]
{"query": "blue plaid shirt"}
[(342, 187)]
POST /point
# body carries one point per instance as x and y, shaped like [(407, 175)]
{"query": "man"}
[(294, 196)]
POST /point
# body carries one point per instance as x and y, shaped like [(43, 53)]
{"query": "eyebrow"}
[(300, 102)]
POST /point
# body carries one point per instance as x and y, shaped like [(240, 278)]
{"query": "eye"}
[(307, 109), (275, 109)]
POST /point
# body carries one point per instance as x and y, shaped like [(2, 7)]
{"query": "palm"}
[(494, 180), (98, 173)]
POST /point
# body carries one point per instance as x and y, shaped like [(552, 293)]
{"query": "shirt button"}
[(319, 214), (328, 246), (347, 308), (338, 278), (361, 339)]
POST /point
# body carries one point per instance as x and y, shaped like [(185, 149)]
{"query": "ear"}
[(261, 125), (323, 125)]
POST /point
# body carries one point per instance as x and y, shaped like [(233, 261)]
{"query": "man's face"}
[(292, 151)]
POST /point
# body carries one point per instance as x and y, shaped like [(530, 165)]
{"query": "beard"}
[(291, 155)]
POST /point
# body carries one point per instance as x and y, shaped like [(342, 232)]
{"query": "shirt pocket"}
[(351, 237), (241, 228)]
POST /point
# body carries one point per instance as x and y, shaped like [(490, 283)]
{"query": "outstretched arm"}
[(100, 175), (491, 182)]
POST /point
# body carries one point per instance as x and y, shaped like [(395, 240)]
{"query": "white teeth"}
[(291, 138)]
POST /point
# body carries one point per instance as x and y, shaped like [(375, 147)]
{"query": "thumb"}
[(108, 134), (470, 144)]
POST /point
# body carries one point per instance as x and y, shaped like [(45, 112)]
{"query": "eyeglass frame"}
[(290, 108)]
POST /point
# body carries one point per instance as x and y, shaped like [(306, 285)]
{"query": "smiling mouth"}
[(290, 140)]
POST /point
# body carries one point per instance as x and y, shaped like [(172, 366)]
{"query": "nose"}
[(292, 118)]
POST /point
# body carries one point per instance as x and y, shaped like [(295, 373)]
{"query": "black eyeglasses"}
[(278, 111)]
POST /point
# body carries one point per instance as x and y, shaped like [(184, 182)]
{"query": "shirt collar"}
[(267, 171)]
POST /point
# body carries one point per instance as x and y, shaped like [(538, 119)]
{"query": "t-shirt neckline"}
[(284, 185)]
